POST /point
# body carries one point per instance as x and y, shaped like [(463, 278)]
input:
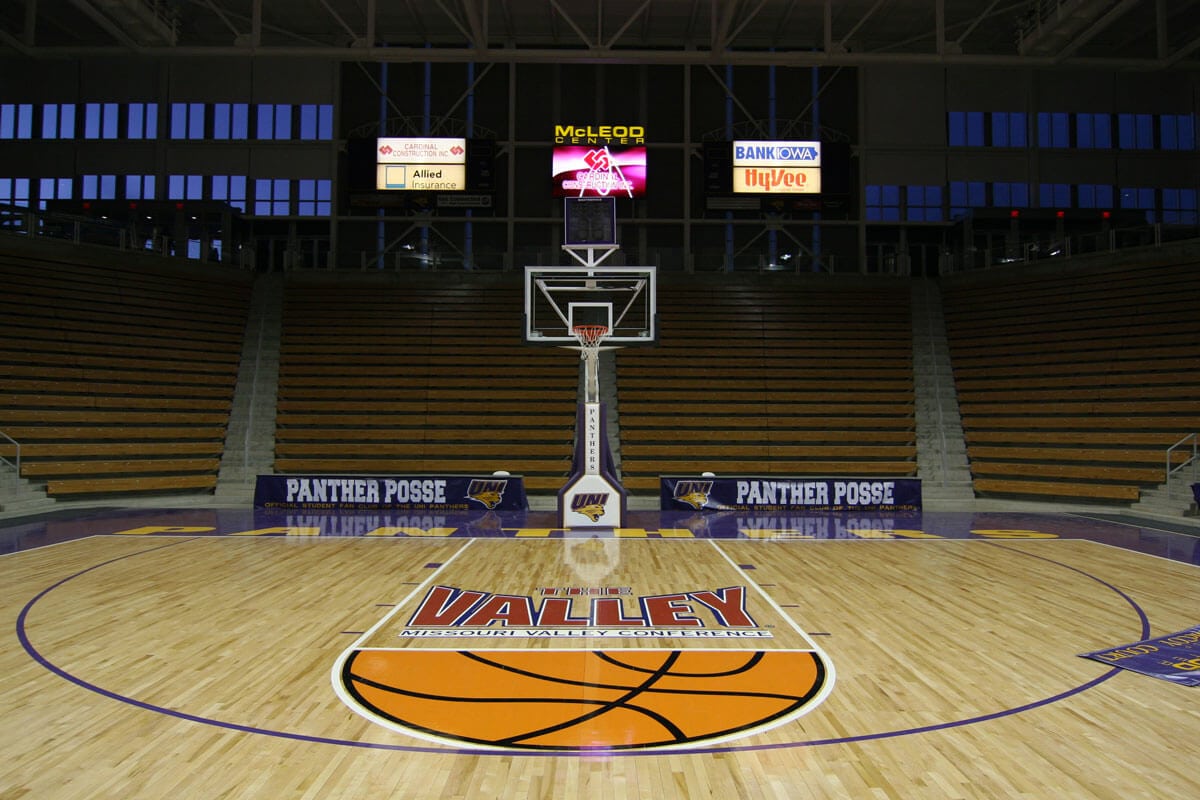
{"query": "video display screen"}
[(599, 171)]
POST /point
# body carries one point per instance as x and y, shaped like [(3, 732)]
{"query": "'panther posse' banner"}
[(391, 493), (776, 493)]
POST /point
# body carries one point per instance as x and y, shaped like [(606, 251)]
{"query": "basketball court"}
[(593, 649), (230, 652)]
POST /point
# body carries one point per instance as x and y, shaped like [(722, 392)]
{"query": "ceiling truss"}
[(1128, 34)]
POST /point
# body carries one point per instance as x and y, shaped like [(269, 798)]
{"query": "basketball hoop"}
[(590, 336)]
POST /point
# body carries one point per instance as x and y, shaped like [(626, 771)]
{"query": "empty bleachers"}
[(775, 378), (412, 374), (118, 379), (1072, 384)]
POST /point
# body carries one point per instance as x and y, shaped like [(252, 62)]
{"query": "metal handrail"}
[(1194, 460), (4, 460)]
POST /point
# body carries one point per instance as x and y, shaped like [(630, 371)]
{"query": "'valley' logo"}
[(473, 612), (591, 505), (487, 492)]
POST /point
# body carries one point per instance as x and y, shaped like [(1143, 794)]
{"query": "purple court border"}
[(233, 726)]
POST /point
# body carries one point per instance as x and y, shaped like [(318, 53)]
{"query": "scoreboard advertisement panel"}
[(420, 164), (776, 167)]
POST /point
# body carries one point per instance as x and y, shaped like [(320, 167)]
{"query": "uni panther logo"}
[(694, 493), (590, 505), (487, 492)]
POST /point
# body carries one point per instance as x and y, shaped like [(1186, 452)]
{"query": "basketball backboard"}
[(557, 299)]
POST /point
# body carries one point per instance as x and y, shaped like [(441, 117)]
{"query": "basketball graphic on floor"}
[(582, 699)]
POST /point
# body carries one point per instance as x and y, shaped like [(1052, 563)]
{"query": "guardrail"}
[(17, 464), (1193, 461)]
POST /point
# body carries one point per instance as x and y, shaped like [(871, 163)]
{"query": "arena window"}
[(1053, 129), (230, 189), (272, 197), (14, 191), (185, 187), (274, 121), (1094, 195), (316, 122), (98, 187), (883, 203), (1135, 131), (312, 197), (923, 204), (143, 121), (1177, 131), (1179, 206), (1093, 131), (139, 187), (58, 121), (1054, 195), (1010, 195), (231, 121), (965, 128), (1139, 198), (187, 120), (1008, 129), (965, 195), (16, 121), (54, 189)]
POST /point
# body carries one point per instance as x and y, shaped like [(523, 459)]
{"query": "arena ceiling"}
[(1124, 34)]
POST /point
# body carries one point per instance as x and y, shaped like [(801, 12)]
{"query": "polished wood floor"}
[(200, 666)]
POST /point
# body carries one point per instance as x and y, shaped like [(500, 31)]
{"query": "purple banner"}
[(774, 493), (1196, 492), (424, 493), (1174, 657)]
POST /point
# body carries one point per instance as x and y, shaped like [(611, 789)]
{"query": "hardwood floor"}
[(201, 666)]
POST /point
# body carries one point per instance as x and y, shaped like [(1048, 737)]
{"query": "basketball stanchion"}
[(592, 496), (591, 309)]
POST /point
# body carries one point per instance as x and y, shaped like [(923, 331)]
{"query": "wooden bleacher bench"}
[(49, 401), (426, 449), (87, 375), (1084, 423), (1014, 437), (16, 417), (1122, 408), (115, 450), (32, 435), (128, 467), (1128, 475), (783, 435), (1113, 455), (120, 379), (1087, 491), (60, 487), (117, 390), (1073, 395), (1073, 382)]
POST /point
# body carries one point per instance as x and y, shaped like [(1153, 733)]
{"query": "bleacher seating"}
[(779, 378), (1072, 384), (407, 375), (118, 379)]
